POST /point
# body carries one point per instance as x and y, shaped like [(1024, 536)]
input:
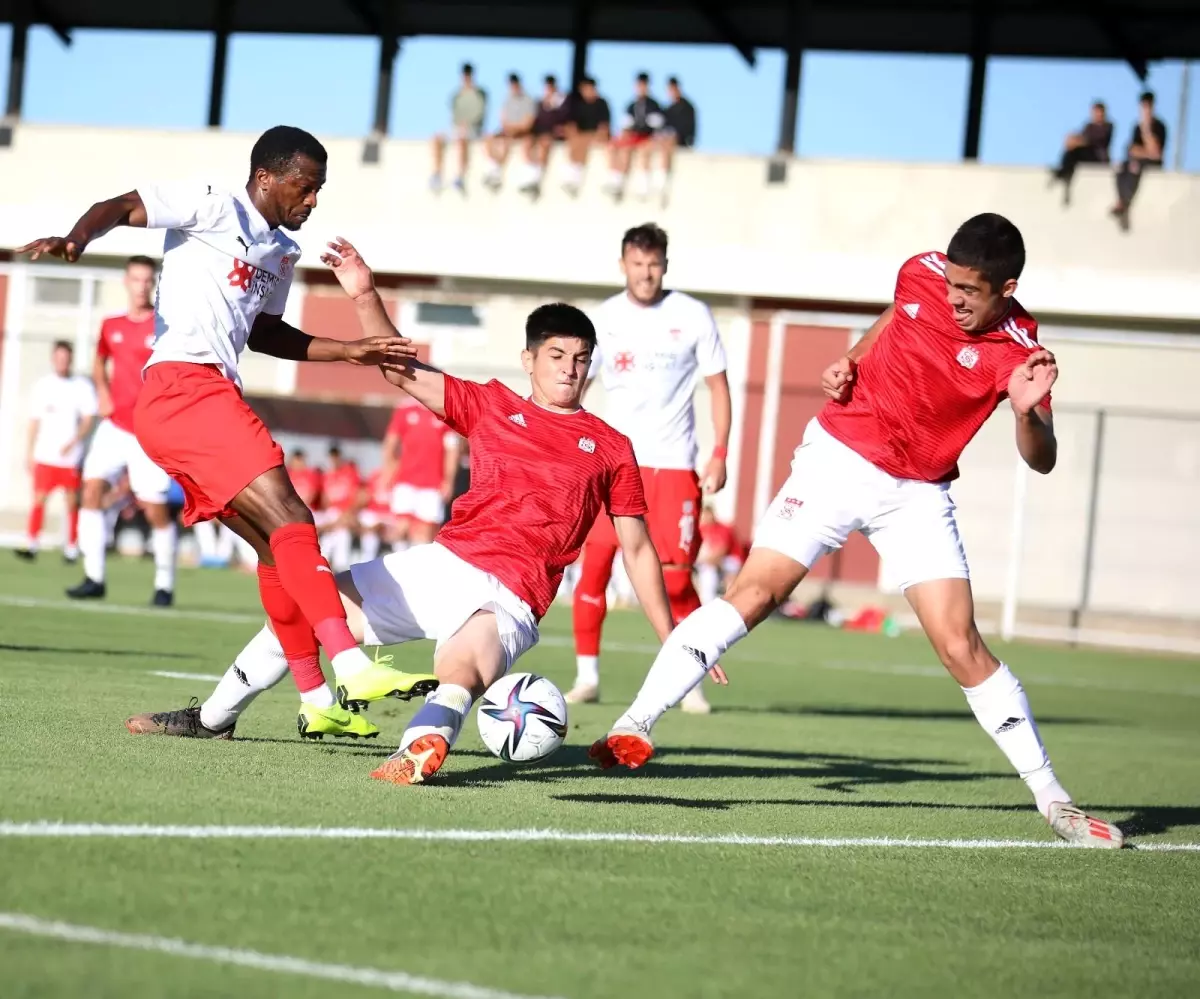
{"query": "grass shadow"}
[(94, 651)]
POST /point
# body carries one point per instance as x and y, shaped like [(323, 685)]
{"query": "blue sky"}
[(853, 105)]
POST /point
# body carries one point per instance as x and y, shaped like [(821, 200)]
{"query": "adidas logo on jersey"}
[(912, 309), (587, 444), (518, 419), (968, 357)]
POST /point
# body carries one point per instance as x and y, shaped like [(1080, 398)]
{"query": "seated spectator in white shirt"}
[(468, 105), (516, 122), (588, 123), (643, 119)]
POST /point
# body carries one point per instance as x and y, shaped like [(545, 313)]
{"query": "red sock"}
[(308, 579), (37, 515), (680, 592), (292, 629), (590, 602), (73, 527)]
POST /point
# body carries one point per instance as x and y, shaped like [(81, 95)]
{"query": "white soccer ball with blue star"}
[(522, 718)]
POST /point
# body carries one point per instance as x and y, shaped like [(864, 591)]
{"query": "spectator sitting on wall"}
[(588, 122), (548, 125), (679, 131), (468, 105), (516, 122), (1146, 148), (643, 118), (1089, 145)]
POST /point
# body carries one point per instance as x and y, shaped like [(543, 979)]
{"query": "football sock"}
[(708, 582), (1001, 707), (338, 543), (695, 645), (291, 627), (321, 697), (205, 533), (37, 516), (309, 581), (258, 667), (590, 602), (163, 541), (92, 543), (680, 591), (587, 671), (73, 529), (369, 546), (441, 714)]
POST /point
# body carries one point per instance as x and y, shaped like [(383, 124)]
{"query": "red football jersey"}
[(926, 386), (721, 537), (340, 486), (128, 345), (307, 483), (538, 480), (422, 445)]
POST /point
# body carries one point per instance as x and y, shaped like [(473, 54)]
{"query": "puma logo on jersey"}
[(243, 242), (518, 419), (968, 357), (587, 444), (912, 309)]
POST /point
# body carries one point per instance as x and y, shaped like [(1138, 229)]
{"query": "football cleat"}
[(622, 747), (695, 703), (25, 554), (162, 598), (184, 723), (416, 763), (1080, 829), (380, 680), (89, 589), (316, 723), (583, 693)]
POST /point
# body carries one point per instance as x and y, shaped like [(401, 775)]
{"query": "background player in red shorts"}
[(879, 459), (125, 345), (306, 479), (376, 522), (422, 455), (721, 555), (341, 486), (227, 269), (64, 410), (652, 345)]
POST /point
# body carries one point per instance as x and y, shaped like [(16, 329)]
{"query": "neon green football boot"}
[(316, 723), (380, 680)]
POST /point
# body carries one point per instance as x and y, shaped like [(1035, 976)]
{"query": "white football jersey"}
[(222, 266), (648, 359), (58, 404)]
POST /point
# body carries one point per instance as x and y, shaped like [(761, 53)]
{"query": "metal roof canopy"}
[(1136, 31)]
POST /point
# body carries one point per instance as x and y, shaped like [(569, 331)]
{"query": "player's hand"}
[(396, 374), (1031, 381), (53, 246), (838, 378), (715, 475), (349, 268), (376, 350), (717, 675)]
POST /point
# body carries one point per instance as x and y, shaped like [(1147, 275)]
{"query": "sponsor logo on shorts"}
[(587, 444), (968, 357), (789, 506)]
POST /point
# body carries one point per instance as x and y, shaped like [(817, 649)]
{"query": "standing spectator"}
[(1146, 148), (548, 125), (588, 123), (516, 122), (679, 131), (643, 118), (1089, 145), (468, 105)]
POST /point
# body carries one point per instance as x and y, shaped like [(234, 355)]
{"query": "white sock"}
[(1001, 707), (574, 175), (441, 714), (350, 663), (205, 533), (708, 582), (587, 671), (258, 667), (321, 697), (93, 538), (690, 650), (163, 542), (370, 546), (616, 180), (658, 179)]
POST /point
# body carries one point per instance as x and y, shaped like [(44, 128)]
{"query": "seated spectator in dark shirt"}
[(1146, 147), (549, 122), (516, 122), (679, 131), (588, 122), (642, 121), (1090, 145)]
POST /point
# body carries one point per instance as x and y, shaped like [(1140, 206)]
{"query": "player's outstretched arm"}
[(1028, 388), (125, 209), (272, 336)]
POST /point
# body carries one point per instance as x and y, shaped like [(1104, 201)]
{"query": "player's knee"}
[(965, 655), (753, 598)]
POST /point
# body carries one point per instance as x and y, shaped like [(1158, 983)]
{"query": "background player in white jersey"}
[(652, 346), (878, 459), (122, 350), (64, 411)]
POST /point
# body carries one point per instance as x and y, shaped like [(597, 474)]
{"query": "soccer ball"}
[(522, 718)]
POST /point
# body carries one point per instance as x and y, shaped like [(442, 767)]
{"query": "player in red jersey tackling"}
[(879, 459), (541, 469)]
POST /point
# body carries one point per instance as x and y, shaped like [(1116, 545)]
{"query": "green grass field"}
[(820, 735)]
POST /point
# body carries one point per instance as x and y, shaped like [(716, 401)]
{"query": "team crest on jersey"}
[(518, 419), (285, 265), (968, 357), (676, 334), (623, 361), (118, 337), (587, 444)]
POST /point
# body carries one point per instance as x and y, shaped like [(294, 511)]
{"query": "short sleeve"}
[(189, 206), (710, 352), (277, 302), (465, 402), (605, 115), (103, 346), (396, 423), (625, 495)]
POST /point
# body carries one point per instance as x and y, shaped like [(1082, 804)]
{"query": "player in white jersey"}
[(227, 269), (653, 346), (63, 409)]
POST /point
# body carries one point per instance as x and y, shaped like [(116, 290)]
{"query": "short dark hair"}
[(643, 78), (1147, 97), (141, 260), (551, 79), (589, 80), (646, 237), (991, 245), (64, 345), (277, 148), (558, 319), (468, 69), (672, 81), (1100, 104), (334, 450)]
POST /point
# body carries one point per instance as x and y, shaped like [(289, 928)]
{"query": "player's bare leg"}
[(589, 608), (946, 610), (164, 541), (693, 649), (93, 542), (466, 665)]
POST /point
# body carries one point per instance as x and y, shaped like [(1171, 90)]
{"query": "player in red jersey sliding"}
[(879, 459), (421, 454), (226, 272), (125, 345), (541, 470)]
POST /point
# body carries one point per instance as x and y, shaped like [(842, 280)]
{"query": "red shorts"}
[(631, 140), (47, 478), (673, 513), (194, 424)]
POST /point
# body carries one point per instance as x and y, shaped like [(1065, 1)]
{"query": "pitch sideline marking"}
[(393, 981), (67, 830), (184, 676)]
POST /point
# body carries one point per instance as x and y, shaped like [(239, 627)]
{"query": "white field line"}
[(184, 676), (68, 830), (393, 981), (565, 641)]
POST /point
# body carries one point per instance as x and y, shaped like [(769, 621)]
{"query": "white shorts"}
[(114, 451), (832, 490), (429, 592), (327, 518), (424, 505)]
